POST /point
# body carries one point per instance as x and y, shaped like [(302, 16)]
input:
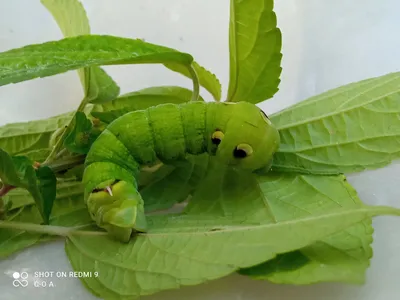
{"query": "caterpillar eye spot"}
[(242, 151), (216, 141), (217, 137)]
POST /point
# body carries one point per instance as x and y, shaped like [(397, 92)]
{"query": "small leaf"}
[(206, 79), (101, 87), (71, 18), (47, 182), (18, 171), (188, 250), (81, 137), (255, 45), (347, 129), (5, 206), (74, 53), (41, 183), (141, 99), (18, 198), (22, 138), (38, 155), (12, 169), (69, 210)]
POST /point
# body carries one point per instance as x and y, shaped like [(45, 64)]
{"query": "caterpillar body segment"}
[(239, 135)]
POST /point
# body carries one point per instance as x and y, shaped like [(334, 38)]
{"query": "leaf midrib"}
[(342, 143), (129, 54), (227, 229)]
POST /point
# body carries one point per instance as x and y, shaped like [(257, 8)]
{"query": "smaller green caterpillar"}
[(238, 134)]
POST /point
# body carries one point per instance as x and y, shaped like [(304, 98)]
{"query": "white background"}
[(325, 44)]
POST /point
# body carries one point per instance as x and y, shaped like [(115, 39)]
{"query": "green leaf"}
[(189, 250), (12, 240), (18, 198), (141, 99), (101, 88), (343, 256), (69, 210), (71, 18), (38, 155), (47, 182), (230, 193), (176, 185), (18, 171), (11, 170), (25, 138), (207, 79), (4, 206), (275, 198), (73, 53), (81, 137), (255, 45), (348, 129)]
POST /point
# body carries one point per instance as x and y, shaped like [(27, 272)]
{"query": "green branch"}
[(196, 86), (48, 229)]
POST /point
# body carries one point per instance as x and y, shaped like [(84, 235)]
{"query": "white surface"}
[(325, 44)]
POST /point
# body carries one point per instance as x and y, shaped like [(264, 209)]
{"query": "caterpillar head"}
[(249, 139)]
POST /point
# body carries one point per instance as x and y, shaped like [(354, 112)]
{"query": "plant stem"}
[(61, 153), (196, 86), (49, 229), (65, 163)]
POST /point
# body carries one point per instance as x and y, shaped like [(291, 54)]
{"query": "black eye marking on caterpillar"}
[(217, 137), (242, 151)]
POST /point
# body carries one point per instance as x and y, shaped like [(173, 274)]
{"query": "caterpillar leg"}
[(118, 208)]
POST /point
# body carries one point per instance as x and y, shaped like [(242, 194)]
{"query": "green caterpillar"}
[(238, 134)]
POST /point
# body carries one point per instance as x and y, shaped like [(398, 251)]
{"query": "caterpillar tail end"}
[(119, 209)]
